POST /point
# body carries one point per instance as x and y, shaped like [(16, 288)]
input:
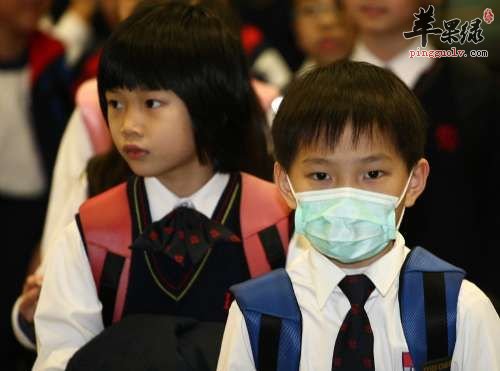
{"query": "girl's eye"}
[(153, 103), (374, 174), (320, 176), (115, 104)]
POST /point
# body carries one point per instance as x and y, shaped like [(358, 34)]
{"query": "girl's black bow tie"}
[(183, 233)]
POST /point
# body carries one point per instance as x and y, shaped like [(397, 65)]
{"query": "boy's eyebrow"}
[(316, 160), (375, 158), (367, 159)]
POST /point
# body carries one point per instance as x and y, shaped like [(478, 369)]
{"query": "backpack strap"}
[(106, 228), (273, 320), (428, 296), (87, 100), (264, 225)]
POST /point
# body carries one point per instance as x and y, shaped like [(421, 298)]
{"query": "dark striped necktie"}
[(354, 345)]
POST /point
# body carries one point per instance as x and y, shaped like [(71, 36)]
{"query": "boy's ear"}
[(417, 182), (280, 178)]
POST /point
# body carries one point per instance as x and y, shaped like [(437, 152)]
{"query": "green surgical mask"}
[(347, 224)]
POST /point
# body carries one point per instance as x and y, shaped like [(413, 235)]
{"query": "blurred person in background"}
[(86, 135), (322, 32), (34, 107)]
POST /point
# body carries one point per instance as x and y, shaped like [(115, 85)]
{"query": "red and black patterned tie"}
[(354, 345)]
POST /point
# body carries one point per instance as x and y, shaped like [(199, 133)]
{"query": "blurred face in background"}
[(20, 17), (382, 16), (322, 31)]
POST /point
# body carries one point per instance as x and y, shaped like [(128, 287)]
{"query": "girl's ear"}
[(281, 180), (417, 182)]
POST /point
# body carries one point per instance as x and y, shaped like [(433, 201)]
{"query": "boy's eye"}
[(320, 176), (115, 104), (153, 103), (374, 174)]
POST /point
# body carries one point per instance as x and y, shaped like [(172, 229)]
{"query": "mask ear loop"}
[(401, 199), (291, 188)]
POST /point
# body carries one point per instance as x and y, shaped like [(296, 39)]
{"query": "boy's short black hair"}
[(320, 104), (171, 45)]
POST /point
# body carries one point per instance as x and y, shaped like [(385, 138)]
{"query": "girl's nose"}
[(132, 126)]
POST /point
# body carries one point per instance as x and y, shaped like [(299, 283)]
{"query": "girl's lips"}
[(134, 152)]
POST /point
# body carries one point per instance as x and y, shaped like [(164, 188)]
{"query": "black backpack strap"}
[(435, 315), (269, 341), (273, 248), (428, 297), (110, 280), (273, 320)]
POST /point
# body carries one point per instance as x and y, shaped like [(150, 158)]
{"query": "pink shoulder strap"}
[(87, 100), (106, 226), (262, 207)]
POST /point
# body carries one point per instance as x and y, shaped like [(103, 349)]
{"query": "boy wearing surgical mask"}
[(349, 143)]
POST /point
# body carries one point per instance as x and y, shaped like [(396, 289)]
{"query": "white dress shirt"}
[(323, 305), (69, 183), (21, 168), (69, 312), (67, 193), (407, 69), (273, 67)]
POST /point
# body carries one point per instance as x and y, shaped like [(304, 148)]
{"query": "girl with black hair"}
[(175, 91)]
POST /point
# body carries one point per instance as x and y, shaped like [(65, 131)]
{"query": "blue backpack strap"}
[(428, 296), (273, 320)]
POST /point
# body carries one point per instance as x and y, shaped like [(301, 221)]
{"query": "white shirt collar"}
[(407, 69), (162, 200), (324, 276)]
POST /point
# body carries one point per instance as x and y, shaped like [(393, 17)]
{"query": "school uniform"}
[(73, 31), (175, 285), (266, 61), (34, 107), (161, 342), (408, 70), (323, 305), (68, 192), (455, 217)]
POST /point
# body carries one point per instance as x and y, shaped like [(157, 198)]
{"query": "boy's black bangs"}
[(323, 113), (319, 106)]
